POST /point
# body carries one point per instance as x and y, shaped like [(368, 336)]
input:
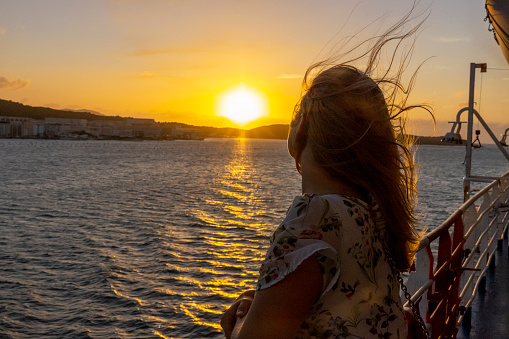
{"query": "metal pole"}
[(468, 156), (470, 123)]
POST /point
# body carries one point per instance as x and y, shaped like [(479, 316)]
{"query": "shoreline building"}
[(64, 128), (19, 127)]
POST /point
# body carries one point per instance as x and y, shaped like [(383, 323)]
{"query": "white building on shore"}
[(55, 128)]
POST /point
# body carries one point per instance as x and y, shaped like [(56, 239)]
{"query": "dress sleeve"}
[(310, 228)]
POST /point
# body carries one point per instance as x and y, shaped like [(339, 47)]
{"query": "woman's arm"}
[(278, 311), (236, 311)]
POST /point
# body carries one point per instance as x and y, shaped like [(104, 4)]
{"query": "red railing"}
[(443, 294), (462, 247)]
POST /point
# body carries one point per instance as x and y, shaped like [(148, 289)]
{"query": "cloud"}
[(450, 40), (13, 84)]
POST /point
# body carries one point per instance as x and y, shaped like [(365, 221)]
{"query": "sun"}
[(242, 105)]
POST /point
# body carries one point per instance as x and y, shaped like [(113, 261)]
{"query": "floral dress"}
[(360, 294)]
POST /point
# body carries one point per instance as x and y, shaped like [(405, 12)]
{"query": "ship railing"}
[(452, 260)]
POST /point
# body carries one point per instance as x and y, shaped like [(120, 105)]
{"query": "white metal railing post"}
[(468, 155)]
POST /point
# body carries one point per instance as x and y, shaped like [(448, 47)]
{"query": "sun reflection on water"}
[(196, 320), (219, 253), (162, 336), (235, 195), (232, 238), (126, 296)]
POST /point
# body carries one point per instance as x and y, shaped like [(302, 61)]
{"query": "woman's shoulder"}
[(314, 211), (328, 203)]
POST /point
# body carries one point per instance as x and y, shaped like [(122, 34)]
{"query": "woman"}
[(333, 265)]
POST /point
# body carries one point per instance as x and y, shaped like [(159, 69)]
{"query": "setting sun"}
[(242, 105)]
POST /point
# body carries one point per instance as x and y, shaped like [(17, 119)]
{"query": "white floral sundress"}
[(360, 294)]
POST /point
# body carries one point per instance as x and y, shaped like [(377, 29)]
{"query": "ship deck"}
[(490, 308)]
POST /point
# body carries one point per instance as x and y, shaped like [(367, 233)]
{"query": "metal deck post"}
[(468, 155)]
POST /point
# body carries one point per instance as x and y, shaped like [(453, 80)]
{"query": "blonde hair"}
[(352, 122)]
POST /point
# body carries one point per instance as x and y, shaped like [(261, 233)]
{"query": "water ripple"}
[(105, 239)]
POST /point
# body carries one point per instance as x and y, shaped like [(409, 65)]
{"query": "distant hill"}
[(278, 131), (268, 132), (15, 109), (86, 110)]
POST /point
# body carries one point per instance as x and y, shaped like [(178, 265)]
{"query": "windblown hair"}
[(352, 121)]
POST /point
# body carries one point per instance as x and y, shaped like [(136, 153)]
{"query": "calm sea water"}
[(106, 239)]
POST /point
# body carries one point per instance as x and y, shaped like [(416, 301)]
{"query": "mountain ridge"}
[(15, 109), (274, 131)]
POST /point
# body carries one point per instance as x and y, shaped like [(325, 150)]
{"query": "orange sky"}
[(171, 60)]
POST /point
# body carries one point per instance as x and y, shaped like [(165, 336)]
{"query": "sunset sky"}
[(173, 60)]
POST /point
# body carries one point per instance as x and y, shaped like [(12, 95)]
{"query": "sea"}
[(154, 239)]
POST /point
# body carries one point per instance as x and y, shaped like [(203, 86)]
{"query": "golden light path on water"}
[(235, 238)]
